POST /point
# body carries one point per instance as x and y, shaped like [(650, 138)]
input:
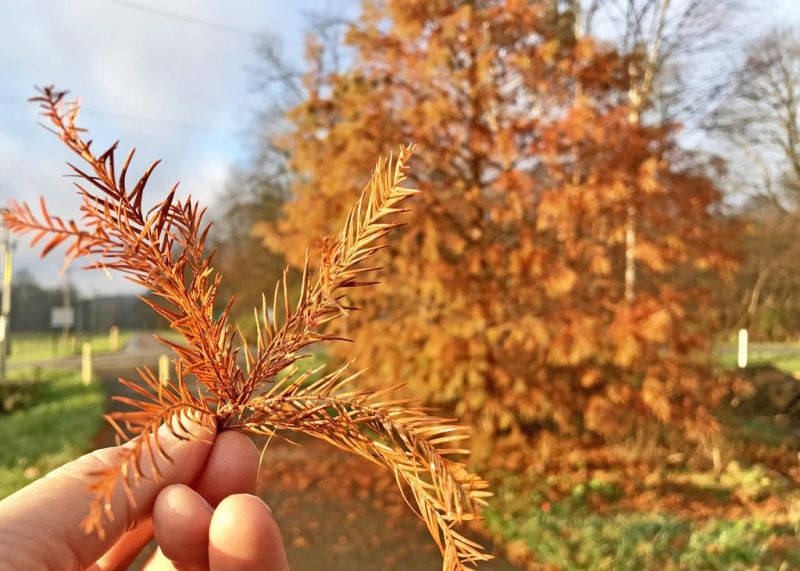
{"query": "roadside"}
[(339, 513), (336, 512), (55, 422), (135, 348), (784, 356)]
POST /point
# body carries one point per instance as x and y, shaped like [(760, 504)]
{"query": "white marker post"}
[(163, 369), (113, 338), (742, 360), (86, 363)]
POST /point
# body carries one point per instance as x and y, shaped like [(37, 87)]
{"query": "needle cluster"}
[(163, 249)]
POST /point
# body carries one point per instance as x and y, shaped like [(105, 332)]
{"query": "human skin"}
[(202, 512)]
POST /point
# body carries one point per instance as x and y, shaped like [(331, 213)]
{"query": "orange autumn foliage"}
[(162, 248), (504, 300)]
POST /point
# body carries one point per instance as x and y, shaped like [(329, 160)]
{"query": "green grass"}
[(789, 364), (571, 534), (591, 529), (36, 347), (745, 516), (55, 428), (171, 335), (784, 356), (315, 358), (759, 430)]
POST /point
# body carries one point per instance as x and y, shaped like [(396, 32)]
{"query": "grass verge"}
[(745, 515), (572, 533), (783, 356), (56, 426)]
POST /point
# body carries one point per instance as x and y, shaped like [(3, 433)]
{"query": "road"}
[(142, 349)]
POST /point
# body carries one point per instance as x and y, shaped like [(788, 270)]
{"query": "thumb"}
[(40, 524)]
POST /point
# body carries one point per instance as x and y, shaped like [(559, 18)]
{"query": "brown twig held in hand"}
[(162, 249)]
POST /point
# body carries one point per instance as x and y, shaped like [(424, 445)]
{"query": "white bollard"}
[(86, 363), (163, 369), (742, 360), (113, 338)]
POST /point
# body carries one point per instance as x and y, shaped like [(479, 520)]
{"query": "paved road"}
[(142, 349)]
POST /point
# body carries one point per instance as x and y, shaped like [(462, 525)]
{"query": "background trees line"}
[(757, 125), (33, 303), (571, 253)]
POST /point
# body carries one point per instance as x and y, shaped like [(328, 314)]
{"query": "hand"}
[(202, 512)]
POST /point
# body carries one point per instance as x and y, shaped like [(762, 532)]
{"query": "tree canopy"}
[(504, 299)]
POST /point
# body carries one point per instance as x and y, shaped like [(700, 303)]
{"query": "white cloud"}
[(174, 90)]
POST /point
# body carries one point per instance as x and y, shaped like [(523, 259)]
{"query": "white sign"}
[(62, 317)]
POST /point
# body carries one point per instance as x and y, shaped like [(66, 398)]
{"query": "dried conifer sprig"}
[(162, 249)]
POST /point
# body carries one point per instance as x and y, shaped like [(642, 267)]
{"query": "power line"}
[(227, 28), (220, 27), (192, 20), (159, 121), (187, 125)]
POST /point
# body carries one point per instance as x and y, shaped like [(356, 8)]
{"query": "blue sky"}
[(176, 89)]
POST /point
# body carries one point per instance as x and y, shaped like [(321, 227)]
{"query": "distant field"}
[(33, 347)]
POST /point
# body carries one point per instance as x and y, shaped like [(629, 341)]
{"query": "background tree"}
[(252, 196), (255, 191), (504, 300), (758, 125), (664, 42)]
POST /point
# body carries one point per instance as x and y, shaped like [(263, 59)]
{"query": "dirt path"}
[(336, 511), (341, 513)]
